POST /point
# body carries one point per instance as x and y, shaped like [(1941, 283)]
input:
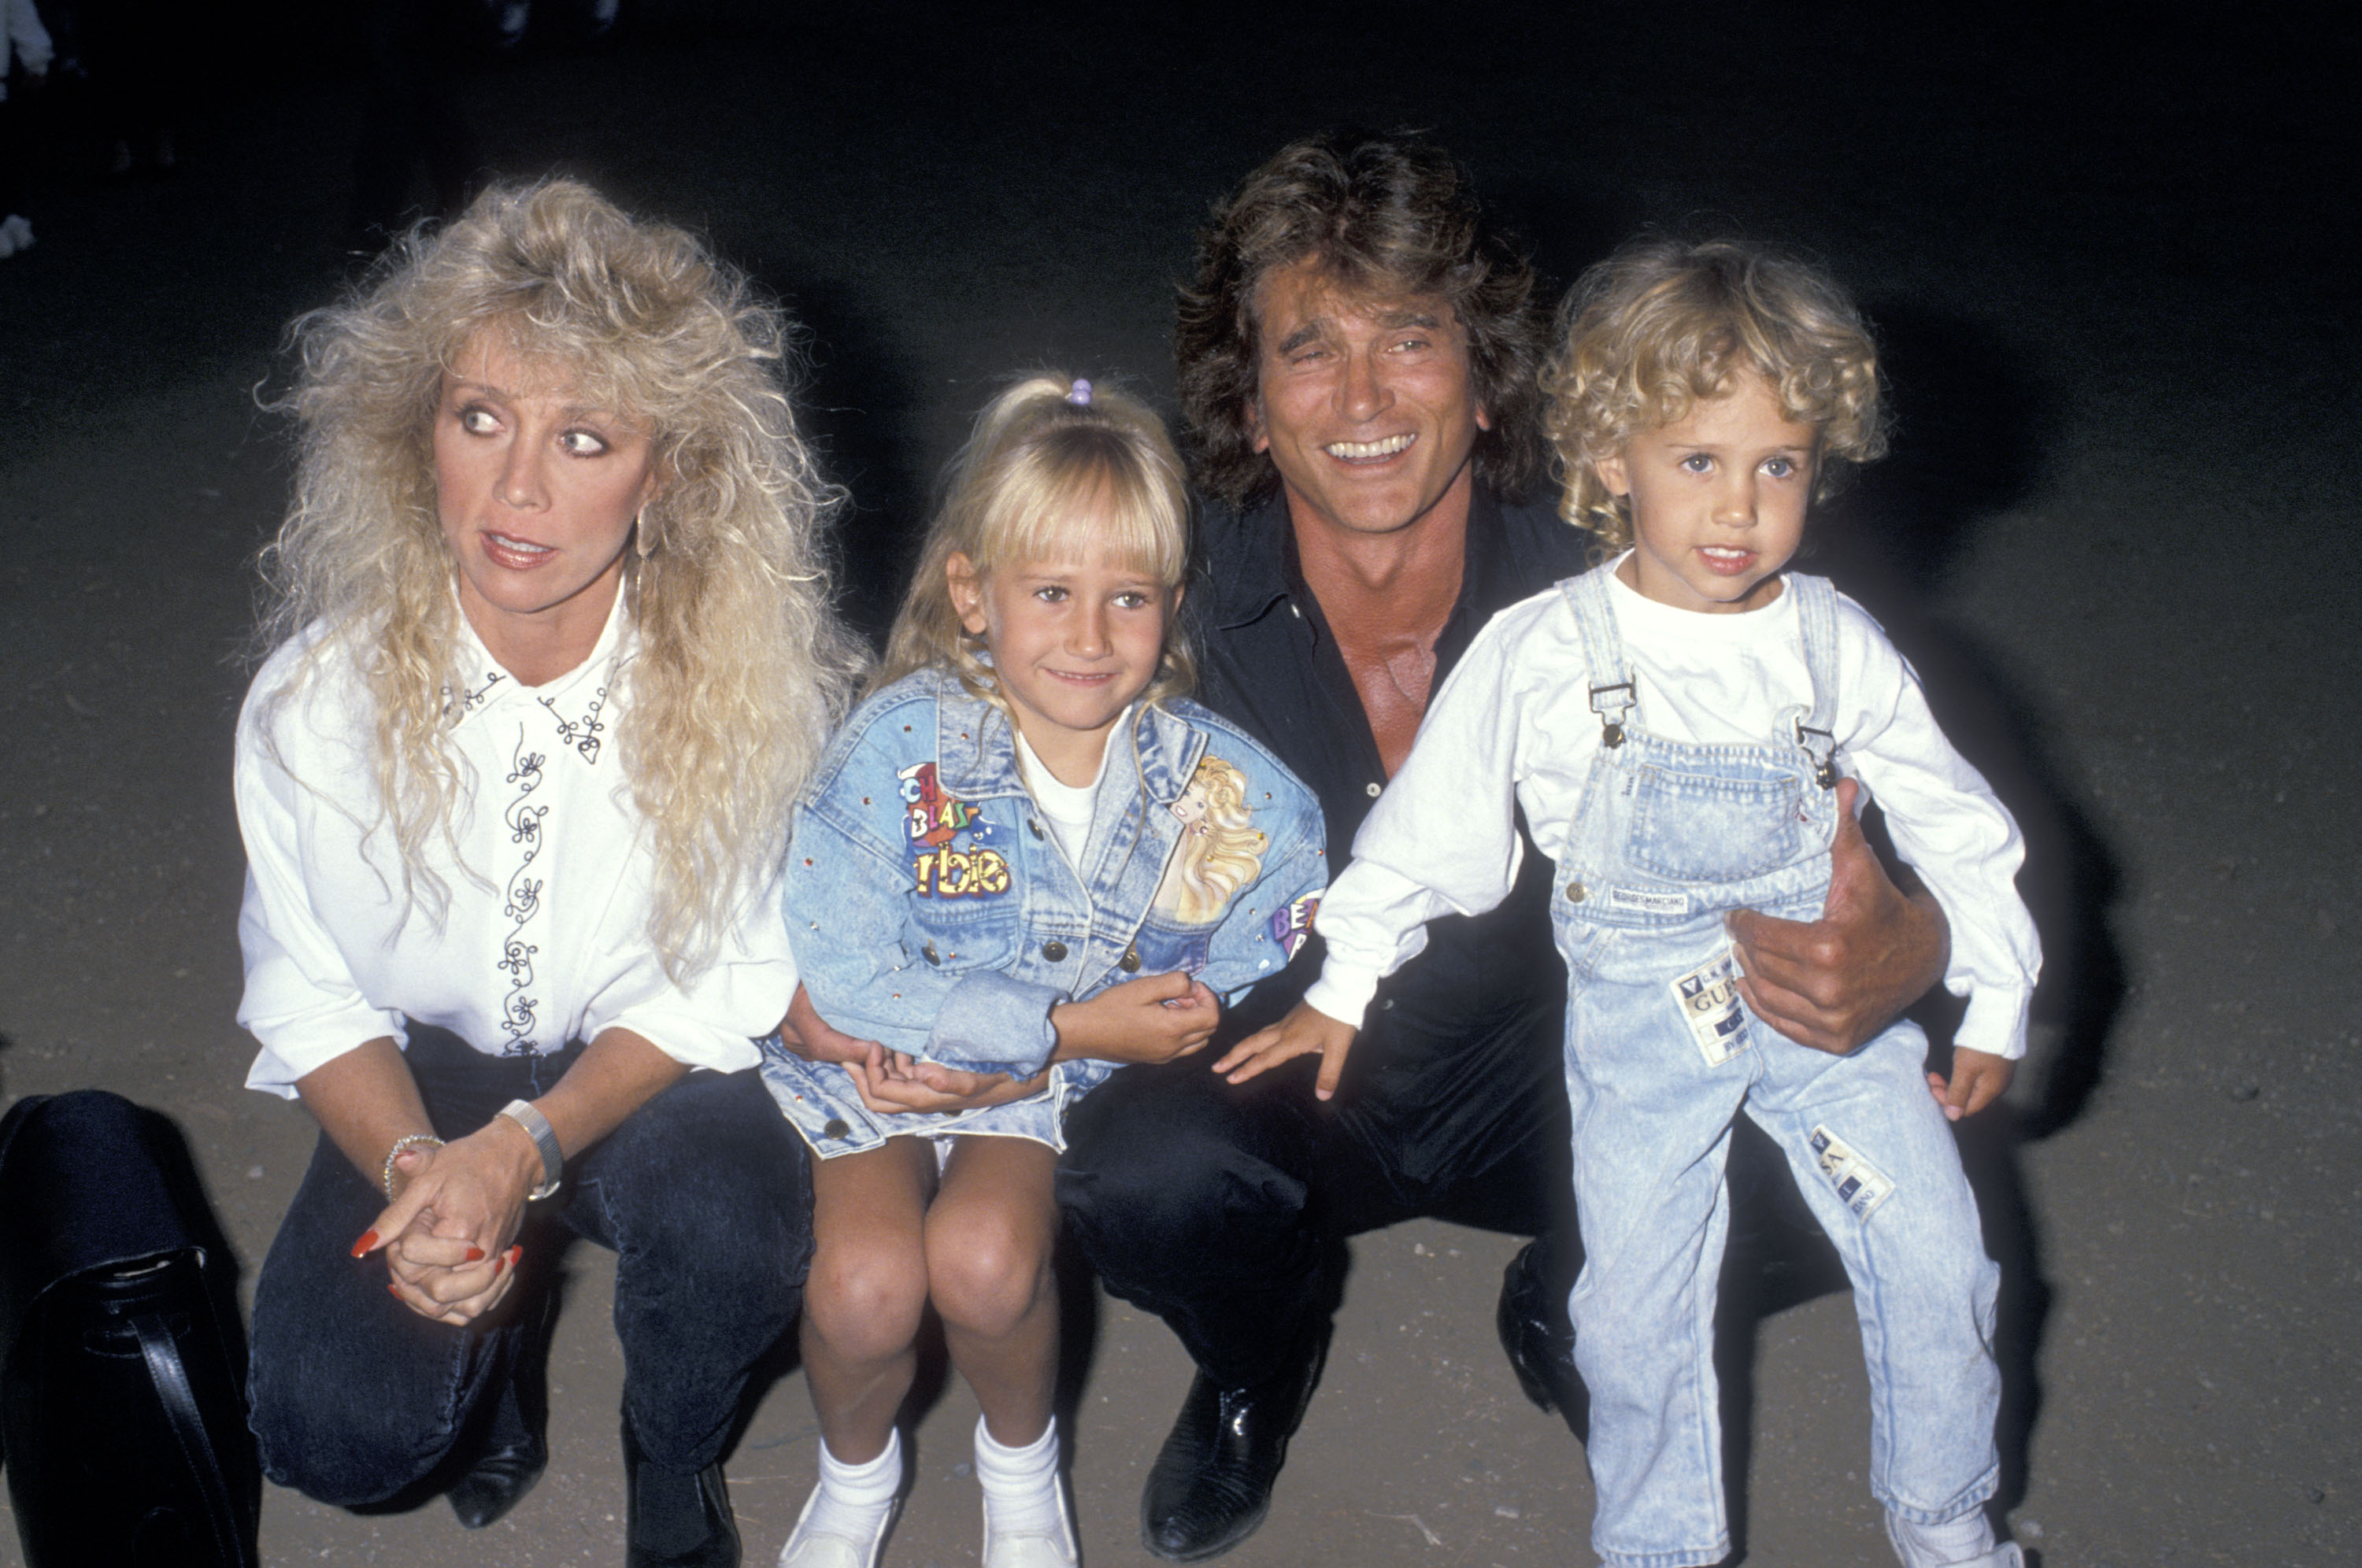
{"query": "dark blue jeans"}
[(703, 1194)]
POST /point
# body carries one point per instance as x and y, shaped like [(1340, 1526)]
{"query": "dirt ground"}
[(2113, 537)]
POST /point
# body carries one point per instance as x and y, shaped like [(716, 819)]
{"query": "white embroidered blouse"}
[(545, 941)]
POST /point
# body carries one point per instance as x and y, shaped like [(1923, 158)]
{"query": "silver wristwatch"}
[(545, 1138)]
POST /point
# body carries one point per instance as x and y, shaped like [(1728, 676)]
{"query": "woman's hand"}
[(449, 1236), (1305, 1030), (1834, 982), (811, 1036), (1152, 1019)]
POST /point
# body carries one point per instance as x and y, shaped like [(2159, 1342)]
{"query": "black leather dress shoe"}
[(501, 1478), (1531, 1320), (1211, 1483), (673, 1520)]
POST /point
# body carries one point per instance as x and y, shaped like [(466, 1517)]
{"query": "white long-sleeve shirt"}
[(544, 940), (1514, 726)]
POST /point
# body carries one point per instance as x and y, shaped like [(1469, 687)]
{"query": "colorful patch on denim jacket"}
[(935, 821), (1221, 849), (1292, 922)]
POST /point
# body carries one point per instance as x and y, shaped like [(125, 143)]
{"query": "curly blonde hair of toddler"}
[(1663, 325)]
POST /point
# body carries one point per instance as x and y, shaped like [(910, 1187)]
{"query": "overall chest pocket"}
[(1700, 827)]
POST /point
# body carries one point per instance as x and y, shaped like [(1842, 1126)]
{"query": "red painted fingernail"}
[(475, 1254), (394, 1291), (362, 1247), (516, 1255)]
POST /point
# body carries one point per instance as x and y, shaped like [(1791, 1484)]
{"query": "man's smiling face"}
[(1365, 402)]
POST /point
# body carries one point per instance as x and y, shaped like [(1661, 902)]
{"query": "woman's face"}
[(536, 494)]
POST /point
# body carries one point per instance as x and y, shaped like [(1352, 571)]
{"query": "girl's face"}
[(1718, 501), (537, 495), (1074, 642)]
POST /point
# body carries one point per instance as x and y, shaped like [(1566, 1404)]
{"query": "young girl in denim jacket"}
[(1685, 728), (1025, 854)]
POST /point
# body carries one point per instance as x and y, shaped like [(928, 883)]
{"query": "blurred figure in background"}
[(25, 54)]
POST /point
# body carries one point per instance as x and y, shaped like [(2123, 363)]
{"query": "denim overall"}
[(1661, 1054)]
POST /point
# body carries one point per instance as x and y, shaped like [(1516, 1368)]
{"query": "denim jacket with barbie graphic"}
[(932, 910)]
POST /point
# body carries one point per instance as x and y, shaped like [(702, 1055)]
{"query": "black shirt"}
[(1268, 662)]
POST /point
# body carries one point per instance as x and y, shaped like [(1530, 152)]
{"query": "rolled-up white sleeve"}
[(302, 1001), (713, 1021), (1948, 825)]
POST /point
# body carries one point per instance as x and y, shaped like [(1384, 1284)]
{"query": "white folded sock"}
[(854, 1499), (1020, 1484)]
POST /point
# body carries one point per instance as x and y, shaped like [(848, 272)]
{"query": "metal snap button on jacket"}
[(1576, 892), (1129, 962), (1054, 951)]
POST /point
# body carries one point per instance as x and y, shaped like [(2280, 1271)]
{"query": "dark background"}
[(2109, 256)]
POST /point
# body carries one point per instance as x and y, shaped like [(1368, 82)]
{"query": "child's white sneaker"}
[(2006, 1555), (1048, 1544), (832, 1541), (1963, 1543), (1028, 1522)]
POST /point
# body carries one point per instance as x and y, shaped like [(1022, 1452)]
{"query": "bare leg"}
[(867, 1288), (989, 1236)]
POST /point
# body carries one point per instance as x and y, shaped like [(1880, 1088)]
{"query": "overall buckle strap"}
[(1817, 622), (1603, 653)]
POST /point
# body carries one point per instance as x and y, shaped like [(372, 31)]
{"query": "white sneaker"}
[(826, 1549), (1034, 1548), (2006, 1555)]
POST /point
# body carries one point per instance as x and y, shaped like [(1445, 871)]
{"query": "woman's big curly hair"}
[(1384, 216), (742, 667), (1663, 325)]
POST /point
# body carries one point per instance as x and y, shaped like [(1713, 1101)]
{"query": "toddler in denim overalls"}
[(1675, 725)]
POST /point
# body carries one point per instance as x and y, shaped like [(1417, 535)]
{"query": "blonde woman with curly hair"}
[(553, 652)]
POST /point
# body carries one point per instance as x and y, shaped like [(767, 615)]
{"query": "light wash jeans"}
[(1660, 1056)]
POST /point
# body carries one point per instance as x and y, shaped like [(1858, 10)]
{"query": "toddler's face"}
[(1718, 500), (1073, 641)]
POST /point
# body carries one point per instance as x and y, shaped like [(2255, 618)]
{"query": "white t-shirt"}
[(544, 940), (1514, 726)]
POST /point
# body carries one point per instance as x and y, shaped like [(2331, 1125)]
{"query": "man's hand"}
[(1152, 1019), (811, 1036), (1834, 982), (1305, 1030), (1978, 1079)]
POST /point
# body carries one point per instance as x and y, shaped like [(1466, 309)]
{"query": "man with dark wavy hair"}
[(1357, 365)]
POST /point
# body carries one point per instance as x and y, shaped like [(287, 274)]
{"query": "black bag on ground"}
[(122, 1360)]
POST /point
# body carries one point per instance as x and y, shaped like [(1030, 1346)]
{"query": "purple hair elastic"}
[(1080, 393)]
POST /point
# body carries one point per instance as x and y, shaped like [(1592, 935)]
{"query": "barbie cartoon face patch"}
[(1221, 849), (951, 852)]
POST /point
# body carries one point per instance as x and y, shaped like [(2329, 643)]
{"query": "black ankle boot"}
[(1211, 1483), (510, 1448), (514, 1458), (674, 1521), (1540, 1341)]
